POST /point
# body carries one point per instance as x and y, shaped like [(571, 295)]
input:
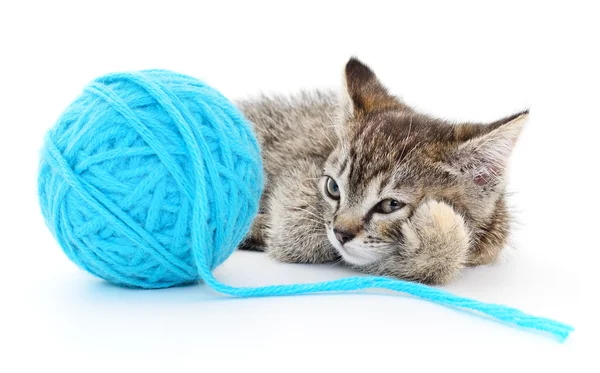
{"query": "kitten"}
[(363, 177)]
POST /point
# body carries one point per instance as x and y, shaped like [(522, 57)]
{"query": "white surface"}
[(465, 62)]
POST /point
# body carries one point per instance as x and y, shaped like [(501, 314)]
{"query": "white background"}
[(467, 61)]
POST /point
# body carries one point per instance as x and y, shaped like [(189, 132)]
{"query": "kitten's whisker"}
[(335, 262), (325, 136), (333, 120), (320, 222), (312, 220), (379, 246), (308, 212), (413, 149)]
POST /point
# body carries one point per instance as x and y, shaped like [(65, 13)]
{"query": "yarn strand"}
[(504, 314)]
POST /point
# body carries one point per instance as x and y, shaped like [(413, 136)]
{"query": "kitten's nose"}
[(343, 236)]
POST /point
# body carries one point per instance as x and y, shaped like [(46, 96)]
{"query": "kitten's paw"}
[(255, 240), (436, 243)]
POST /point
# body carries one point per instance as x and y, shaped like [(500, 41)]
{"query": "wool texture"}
[(142, 168), (151, 179)]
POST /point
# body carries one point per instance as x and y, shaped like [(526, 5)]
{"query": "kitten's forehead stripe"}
[(382, 146), (352, 161), (385, 180), (343, 166)]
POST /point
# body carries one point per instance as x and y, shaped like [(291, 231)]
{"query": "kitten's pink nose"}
[(343, 236)]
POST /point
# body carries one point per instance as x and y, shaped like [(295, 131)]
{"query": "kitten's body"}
[(447, 183), (293, 128), (296, 135)]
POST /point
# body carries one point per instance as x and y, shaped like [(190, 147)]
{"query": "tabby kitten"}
[(363, 177)]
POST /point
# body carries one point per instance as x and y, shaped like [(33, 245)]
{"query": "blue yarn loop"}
[(151, 179)]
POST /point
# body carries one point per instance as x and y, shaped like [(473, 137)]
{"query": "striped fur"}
[(450, 179)]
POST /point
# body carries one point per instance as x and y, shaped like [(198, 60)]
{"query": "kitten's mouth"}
[(351, 252)]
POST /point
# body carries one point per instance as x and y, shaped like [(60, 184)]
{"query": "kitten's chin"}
[(352, 253)]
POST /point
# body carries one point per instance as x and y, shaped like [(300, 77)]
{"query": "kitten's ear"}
[(363, 93), (484, 157)]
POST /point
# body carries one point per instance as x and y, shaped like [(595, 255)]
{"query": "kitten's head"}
[(390, 158)]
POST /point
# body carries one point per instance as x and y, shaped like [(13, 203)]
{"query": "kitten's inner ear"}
[(484, 157), (364, 93)]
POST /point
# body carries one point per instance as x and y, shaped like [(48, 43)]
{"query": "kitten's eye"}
[(332, 189), (387, 206)]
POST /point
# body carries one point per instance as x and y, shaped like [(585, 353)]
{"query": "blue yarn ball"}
[(150, 179)]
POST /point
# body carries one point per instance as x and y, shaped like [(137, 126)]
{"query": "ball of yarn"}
[(150, 178)]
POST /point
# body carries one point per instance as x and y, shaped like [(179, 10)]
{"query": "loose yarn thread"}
[(151, 179)]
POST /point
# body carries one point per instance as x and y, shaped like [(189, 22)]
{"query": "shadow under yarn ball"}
[(150, 178)]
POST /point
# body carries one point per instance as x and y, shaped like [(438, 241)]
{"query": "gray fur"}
[(450, 179)]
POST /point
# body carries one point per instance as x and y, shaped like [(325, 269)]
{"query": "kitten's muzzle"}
[(343, 236)]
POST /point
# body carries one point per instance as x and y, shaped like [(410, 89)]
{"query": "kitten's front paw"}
[(436, 243)]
